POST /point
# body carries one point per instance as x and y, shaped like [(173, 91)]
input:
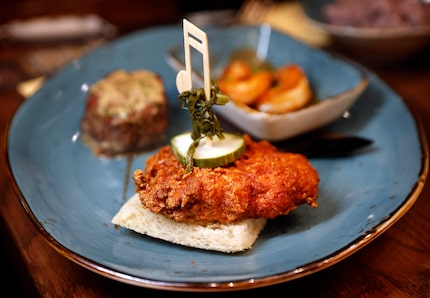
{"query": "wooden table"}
[(396, 264)]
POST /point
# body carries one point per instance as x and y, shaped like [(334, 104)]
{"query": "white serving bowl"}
[(335, 82)]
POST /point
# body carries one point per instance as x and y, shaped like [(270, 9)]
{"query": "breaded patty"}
[(264, 183)]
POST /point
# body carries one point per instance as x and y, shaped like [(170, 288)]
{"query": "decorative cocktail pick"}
[(195, 37), (216, 148)]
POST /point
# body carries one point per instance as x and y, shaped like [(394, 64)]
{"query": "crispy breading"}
[(264, 182)]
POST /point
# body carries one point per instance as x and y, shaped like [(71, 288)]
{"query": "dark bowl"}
[(382, 45)]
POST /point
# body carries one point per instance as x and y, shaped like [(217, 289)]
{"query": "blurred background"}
[(24, 57), (28, 51), (128, 15)]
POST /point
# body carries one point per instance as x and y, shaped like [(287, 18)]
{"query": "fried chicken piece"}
[(264, 182)]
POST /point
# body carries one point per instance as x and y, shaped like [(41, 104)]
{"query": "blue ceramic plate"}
[(71, 195)]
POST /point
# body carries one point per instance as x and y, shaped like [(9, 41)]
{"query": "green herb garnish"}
[(204, 121)]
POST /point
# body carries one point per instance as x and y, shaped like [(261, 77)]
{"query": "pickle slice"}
[(210, 153)]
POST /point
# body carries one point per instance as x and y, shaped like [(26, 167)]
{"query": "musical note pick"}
[(197, 38)]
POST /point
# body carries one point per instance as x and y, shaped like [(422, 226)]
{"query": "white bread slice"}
[(228, 238)]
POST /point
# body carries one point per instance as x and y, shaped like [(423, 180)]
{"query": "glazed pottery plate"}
[(335, 82), (71, 195)]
